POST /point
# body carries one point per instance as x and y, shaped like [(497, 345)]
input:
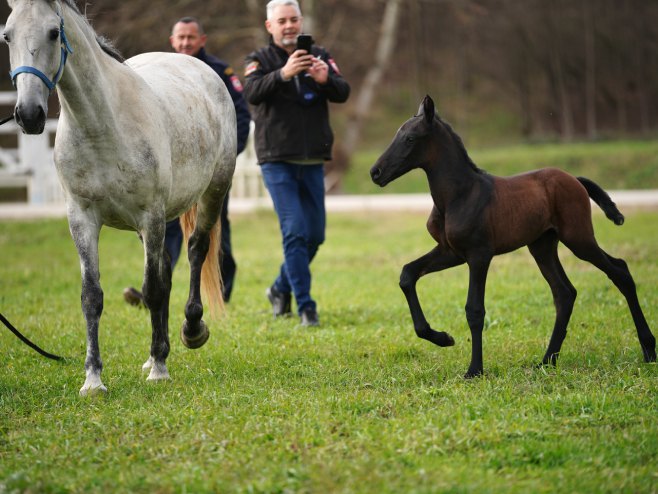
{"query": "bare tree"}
[(365, 96)]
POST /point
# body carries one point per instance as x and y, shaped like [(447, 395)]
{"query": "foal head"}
[(412, 146), (424, 141), (34, 33)]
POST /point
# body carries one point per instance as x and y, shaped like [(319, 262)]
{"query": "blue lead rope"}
[(26, 69)]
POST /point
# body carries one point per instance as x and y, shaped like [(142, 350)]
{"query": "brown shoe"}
[(133, 297)]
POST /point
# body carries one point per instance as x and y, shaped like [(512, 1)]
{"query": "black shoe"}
[(309, 317), (133, 297), (280, 302)]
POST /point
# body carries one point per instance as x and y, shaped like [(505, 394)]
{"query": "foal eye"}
[(53, 34)]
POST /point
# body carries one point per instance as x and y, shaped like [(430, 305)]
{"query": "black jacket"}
[(292, 118), (225, 72)]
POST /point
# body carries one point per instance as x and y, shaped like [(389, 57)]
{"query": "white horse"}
[(138, 143)]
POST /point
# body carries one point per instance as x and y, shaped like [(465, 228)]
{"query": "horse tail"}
[(211, 280), (601, 197)]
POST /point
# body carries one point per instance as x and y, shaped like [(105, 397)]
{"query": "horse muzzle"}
[(377, 176), (31, 118)]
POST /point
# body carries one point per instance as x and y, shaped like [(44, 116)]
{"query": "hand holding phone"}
[(305, 42)]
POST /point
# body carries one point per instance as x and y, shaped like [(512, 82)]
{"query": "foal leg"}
[(618, 272), (544, 250), (156, 289), (85, 232), (435, 260), (478, 267)]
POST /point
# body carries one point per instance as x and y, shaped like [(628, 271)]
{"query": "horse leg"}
[(475, 312), (617, 271), (194, 332), (435, 260), (156, 289), (85, 233), (544, 250)]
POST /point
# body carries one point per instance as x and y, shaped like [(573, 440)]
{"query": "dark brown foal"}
[(477, 216)]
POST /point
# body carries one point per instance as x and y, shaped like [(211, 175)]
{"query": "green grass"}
[(357, 405), (612, 164)]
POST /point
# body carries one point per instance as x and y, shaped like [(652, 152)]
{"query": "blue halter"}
[(26, 69)]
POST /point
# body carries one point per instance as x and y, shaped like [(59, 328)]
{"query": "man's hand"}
[(297, 63), (319, 71)]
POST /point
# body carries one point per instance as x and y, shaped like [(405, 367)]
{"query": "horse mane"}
[(461, 149), (106, 45)]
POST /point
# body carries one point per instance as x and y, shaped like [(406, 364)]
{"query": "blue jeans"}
[(297, 192)]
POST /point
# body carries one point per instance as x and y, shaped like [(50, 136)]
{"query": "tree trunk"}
[(590, 71), (364, 99)]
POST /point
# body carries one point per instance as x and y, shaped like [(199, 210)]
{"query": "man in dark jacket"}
[(187, 37), (289, 90)]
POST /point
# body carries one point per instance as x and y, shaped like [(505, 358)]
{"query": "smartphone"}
[(304, 42)]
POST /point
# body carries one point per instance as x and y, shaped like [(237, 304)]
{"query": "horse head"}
[(411, 147), (34, 33)]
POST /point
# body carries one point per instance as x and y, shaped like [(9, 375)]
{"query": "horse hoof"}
[(471, 374), (546, 363), (446, 340), (196, 341), (93, 391), (148, 364), (158, 372)]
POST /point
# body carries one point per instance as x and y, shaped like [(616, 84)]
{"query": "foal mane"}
[(104, 43), (461, 149)]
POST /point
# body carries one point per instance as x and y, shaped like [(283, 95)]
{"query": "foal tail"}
[(601, 197), (211, 280)]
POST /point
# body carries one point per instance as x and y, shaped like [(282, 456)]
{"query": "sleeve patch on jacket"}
[(334, 65), (237, 85), (251, 68)]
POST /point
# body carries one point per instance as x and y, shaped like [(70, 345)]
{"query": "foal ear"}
[(427, 107)]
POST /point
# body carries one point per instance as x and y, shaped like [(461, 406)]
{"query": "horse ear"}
[(428, 109)]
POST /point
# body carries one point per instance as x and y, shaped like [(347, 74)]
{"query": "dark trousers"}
[(227, 265)]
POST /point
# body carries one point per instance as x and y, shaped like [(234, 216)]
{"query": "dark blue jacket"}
[(235, 89)]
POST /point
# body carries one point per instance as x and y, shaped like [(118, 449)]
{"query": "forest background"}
[(501, 71)]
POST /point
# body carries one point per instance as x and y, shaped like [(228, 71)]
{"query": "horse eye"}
[(6, 37), (53, 34), (410, 139)]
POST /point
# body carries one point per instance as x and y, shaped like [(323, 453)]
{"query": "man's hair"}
[(189, 20), (272, 4)]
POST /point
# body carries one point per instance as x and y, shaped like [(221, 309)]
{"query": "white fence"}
[(30, 165)]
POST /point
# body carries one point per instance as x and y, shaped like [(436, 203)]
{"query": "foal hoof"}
[(196, 341), (649, 351), (439, 338), (444, 339), (471, 374)]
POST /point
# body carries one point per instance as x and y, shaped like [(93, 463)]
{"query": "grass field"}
[(358, 405)]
